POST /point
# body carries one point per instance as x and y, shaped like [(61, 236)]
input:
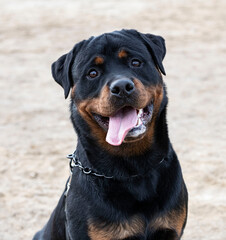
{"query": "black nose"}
[(122, 87)]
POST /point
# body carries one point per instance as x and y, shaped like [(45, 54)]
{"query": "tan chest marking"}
[(101, 231), (173, 220)]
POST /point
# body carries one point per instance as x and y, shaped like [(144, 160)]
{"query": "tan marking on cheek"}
[(85, 109), (113, 231), (99, 60), (157, 98), (146, 95), (103, 103), (100, 105), (122, 54)]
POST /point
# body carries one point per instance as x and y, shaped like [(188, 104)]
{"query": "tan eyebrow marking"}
[(122, 53), (99, 60)]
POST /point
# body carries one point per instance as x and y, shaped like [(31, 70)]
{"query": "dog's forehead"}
[(109, 43)]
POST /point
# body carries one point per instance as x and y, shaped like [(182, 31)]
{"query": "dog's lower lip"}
[(144, 117), (102, 121)]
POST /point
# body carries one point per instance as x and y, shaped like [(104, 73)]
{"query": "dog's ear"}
[(61, 71), (157, 48)]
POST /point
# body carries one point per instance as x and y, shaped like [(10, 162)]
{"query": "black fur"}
[(159, 189)]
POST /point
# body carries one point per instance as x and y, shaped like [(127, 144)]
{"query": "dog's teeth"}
[(139, 122), (140, 113)]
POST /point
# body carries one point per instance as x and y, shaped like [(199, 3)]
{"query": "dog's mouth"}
[(126, 125)]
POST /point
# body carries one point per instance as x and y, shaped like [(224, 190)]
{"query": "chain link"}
[(74, 162)]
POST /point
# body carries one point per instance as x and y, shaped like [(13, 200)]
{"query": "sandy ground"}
[(36, 133)]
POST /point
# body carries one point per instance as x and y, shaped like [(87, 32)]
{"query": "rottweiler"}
[(126, 181)]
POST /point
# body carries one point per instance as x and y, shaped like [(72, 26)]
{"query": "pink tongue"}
[(120, 124)]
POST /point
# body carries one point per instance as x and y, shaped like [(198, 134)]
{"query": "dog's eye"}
[(93, 73), (136, 63)]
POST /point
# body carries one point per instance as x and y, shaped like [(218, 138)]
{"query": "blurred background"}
[(36, 133)]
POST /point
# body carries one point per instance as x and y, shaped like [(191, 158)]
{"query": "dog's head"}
[(116, 88)]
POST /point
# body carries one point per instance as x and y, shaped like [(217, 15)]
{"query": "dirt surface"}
[(36, 133)]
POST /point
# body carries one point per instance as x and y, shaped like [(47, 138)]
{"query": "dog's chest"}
[(137, 226), (102, 231)]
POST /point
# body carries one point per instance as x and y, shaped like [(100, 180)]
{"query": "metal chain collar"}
[(74, 162)]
